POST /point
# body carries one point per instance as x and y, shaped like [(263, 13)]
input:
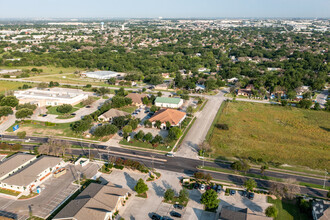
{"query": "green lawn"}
[(128, 109), (287, 210), (275, 134), (46, 69), (53, 111), (10, 85), (9, 192)]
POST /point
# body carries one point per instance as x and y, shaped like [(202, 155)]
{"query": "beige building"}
[(31, 176), (97, 202), (51, 96), (112, 113)]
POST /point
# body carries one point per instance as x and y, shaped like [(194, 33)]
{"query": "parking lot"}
[(54, 191), (140, 208), (238, 202)]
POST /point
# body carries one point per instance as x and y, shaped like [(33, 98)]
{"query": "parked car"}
[(218, 188), (88, 106), (202, 187), (250, 196), (175, 214), (146, 111), (178, 206), (170, 155), (214, 187), (232, 192), (196, 185), (44, 115), (155, 216), (73, 114), (244, 193)]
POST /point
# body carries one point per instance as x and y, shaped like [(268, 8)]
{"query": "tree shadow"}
[(324, 128), (158, 189), (130, 181)]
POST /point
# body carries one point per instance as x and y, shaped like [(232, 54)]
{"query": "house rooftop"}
[(93, 203), (136, 97), (171, 115), (112, 113), (167, 100), (14, 162), (32, 171)]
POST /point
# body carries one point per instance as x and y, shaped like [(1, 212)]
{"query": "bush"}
[(271, 211), (104, 130), (26, 105), (23, 113), (5, 110), (222, 126), (65, 108)]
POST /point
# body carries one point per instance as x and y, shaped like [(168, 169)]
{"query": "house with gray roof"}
[(14, 163), (112, 113), (32, 175), (97, 202)]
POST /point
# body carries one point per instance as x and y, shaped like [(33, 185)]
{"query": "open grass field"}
[(286, 135), (9, 85), (46, 69), (287, 210)]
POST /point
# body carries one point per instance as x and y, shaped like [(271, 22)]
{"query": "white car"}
[(202, 187), (170, 155)]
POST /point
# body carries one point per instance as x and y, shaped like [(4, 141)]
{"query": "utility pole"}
[(325, 177)]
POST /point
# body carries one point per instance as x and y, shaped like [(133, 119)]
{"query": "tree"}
[(157, 139), (158, 124), (120, 92), (317, 106), (65, 108), (104, 130), (240, 166), (288, 189), (147, 123), (88, 101), (174, 133), (190, 110), (23, 113), (208, 177), (139, 135), (81, 125), (145, 100), (42, 85), (119, 121), (210, 199), (159, 94), (147, 137), (112, 81), (26, 105), (102, 91), (153, 108), (183, 196), (141, 187), (127, 130), (21, 134), (11, 101), (168, 125), (305, 103), (5, 111), (284, 102), (199, 175), (271, 211), (250, 184), (263, 168), (169, 195)]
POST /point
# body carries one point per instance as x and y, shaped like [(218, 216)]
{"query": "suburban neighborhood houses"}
[(113, 119)]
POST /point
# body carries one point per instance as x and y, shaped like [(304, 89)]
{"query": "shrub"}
[(65, 108), (222, 126), (271, 211)]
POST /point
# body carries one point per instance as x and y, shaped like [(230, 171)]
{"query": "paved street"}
[(199, 129), (7, 123), (322, 98)]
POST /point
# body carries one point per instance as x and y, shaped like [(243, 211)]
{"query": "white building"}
[(32, 175), (101, 74), (51, 96)]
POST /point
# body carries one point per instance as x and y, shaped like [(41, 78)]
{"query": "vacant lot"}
[(46, 69), (274, 133), (8, 85)]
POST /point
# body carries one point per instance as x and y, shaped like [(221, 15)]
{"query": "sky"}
[(164, 8)]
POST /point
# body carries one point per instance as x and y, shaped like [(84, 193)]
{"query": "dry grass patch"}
[(274, 133)]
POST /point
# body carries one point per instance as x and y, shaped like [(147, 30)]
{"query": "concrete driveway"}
[(199, 129), (79, 113)]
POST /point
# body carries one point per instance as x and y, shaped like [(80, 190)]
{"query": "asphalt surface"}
[(180, 164), (322, 98)]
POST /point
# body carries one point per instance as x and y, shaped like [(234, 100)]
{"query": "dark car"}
[(196, 185), (175, 214), (232, 192), (178, 206), (155, 216), (214, 187), (44, 115), (244, 193), (88, 106), (208, 187), (73, 114), (251, 196)]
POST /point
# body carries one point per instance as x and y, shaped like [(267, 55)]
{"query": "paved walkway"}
[(199, 129), (7, 123)]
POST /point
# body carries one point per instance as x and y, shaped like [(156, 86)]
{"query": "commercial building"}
[(166, 102), (97, 202), (174, 117), (137, 99), (51, 96), (14, 163), (32, 175), (112, 113), (101, 74)]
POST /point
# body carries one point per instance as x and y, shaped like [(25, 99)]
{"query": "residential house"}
[(137, 99), (97, 202), (112, 113), (174, 117), (321, 210), (200, 88), (163, 86), (301, 90), (166, 102)]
